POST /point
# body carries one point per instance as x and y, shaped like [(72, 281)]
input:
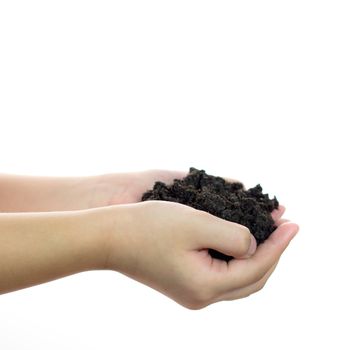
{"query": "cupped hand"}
[(165, 246), (124, 188)]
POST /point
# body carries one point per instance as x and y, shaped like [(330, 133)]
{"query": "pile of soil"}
[(227, 200)]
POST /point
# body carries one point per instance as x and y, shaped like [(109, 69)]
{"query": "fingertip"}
[(292, 226), (251, 249), (243, 243), (297, 228), (253, 245), (287, 230), (245, 229), (278, 213), (281, 209)]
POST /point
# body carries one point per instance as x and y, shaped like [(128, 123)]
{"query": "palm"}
[(133, 185)]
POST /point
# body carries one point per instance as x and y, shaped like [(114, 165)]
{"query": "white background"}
[(255, 90)]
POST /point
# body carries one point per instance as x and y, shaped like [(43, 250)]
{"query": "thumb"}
[(227, 237)]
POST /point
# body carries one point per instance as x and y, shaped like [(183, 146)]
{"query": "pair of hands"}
[(165, 245)]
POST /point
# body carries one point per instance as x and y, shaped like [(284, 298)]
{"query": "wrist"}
[(92, 236), (111, 229)]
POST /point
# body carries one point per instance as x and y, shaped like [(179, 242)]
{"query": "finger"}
[(243, 272), (253, 288), (212, 232), (281, 221), (278, 213), (266, 255)]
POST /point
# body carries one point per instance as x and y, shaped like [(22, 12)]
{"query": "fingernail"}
[(252, 247)]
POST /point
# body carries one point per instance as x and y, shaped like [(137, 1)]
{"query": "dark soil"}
[(227, 200)]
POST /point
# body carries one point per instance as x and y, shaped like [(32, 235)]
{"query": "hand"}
[(123, 188), (165, 246)]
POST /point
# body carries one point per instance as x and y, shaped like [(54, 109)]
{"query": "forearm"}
[(20, 193), (40, 247)]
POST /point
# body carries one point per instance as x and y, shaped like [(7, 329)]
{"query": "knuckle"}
[(259, 275), (196, 219), (201, 214), (252, 278), (259, 286), (243, 296), (193, 305), (239, 296), (150, 204)]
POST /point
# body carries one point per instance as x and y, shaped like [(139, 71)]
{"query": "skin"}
[(54, 227)]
